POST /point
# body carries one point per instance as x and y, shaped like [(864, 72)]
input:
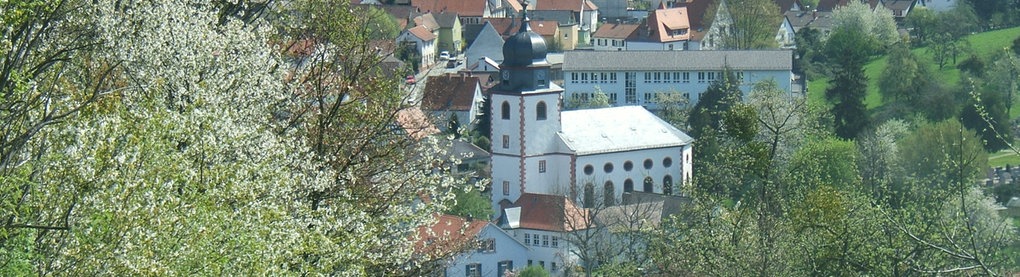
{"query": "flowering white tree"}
[(878, 23), (181, 152)]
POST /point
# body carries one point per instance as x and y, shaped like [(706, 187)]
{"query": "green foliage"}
[(599, 99), (674, 108), (714, 103), (380, 25), (533, 271), (934, 147), (904, 78), (471, 203), (876, 25), (986, 114), (923, 22), (825, 162), (618, 269)]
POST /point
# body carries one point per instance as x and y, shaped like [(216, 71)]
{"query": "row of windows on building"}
[(614, 42), (609, 190), (546, 240), (540, 111), (631, 96), (502, 268), (627, 166), (651, 77)]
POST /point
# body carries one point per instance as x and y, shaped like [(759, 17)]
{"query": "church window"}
[(649, 183), (608, 168), (540, 111), (589, 195), (541, 166), (628, 185), (505, 110), (667, 162), (608, 194), (667, 185), (588, 169), (648, 163), (628, 165), (506, 141), (506, 187)]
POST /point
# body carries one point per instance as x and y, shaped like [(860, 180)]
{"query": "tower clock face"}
[(506, 75)]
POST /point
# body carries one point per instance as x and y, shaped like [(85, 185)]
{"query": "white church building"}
[(589, 157)]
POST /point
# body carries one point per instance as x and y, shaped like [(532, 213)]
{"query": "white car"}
[(445, 55)]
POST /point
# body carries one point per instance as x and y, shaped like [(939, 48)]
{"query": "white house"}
[(614, 36), (482, 248), (786, 36), (635, 77), (488, 44), (423, 41), (550, 166), (668, 28)]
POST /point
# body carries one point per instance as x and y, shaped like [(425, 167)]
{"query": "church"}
[(590, 156)]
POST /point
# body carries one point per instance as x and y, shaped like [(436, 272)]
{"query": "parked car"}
[(445, 55), (453, 62), (410, 80)]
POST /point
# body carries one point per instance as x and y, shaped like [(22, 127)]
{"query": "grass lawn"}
[(1002, 158), (984, 44)]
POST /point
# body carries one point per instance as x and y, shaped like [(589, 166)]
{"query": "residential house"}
[(613, 9), (636, 77), (585, 12), (899, 8), (414, 123), (614, 36), (420, 40), (548, 29), (568, 33), (470, 11), (938, 5), (488, 44), (707, 35), (403, 14), (451, 36), (478, 247), (667, 28), (786, 36), (547, 224), (449, 96), (821, 21)]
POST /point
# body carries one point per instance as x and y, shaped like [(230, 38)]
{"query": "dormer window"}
[(678, 32)]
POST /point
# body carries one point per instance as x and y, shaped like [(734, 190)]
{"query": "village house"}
[(452, 96)]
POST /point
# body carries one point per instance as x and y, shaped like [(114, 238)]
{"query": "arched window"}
[(589, 195), (648, 184), (609, 194), (506, 110), (540, 111), (628, 185), (667, 185)]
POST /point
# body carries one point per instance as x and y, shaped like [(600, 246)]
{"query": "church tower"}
[(525, 121)]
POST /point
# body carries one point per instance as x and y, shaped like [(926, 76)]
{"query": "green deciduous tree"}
[(720, 96), (905, 78), (754, 24)]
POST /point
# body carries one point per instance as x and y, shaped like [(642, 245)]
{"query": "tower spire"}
[(525, 22)]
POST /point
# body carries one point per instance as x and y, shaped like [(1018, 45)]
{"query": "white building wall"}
[(540, 135), (658, 46), (556, 178), (609, 44), (646, 88), (618, 174), (540, 253), (506, 249)]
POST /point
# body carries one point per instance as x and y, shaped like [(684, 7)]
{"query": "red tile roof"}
[(563, 5), (449, 93), (552, 213), (427, 20), (617, 31), (465, 8), (422, 33), (509, 26), (415, 123), (663, 22), (450, 234)]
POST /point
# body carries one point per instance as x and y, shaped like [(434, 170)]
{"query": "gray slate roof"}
[(677, 60), (596, 131)]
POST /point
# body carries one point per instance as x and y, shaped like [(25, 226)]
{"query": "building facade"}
[(637, 77)]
